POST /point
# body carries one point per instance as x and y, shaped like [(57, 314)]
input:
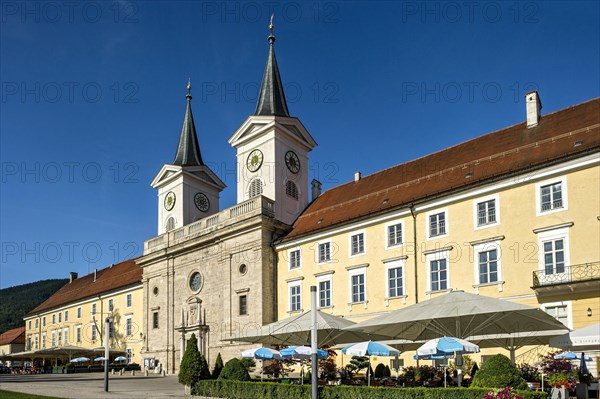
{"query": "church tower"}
[(187, 189), (272, 149)]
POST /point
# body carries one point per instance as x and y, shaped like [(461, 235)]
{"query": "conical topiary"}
[(189, 369), (218, 367)]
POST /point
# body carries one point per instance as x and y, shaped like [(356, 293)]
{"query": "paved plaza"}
[(91, 385)]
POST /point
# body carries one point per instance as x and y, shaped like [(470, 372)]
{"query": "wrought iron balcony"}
[(585, 272)]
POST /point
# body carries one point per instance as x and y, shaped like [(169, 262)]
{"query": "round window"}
[(196, 281), (155, 291), (243, 268)]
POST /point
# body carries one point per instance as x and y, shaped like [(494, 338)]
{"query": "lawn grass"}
[(19, 395)]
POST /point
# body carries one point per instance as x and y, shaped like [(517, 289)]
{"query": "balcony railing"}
[(572, 274), (203, 226)]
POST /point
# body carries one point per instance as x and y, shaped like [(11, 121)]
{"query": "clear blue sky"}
[(93, 99)]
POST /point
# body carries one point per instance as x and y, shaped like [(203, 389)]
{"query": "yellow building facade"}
[(518, 222), (75, 315)]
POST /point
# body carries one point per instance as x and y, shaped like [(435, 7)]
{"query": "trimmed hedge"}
[(269, 390)]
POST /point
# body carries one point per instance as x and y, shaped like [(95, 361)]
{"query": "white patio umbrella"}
[(584, 339), (80, 359), (120, 359), (261, 354), (445, 346), (370, 348), (295, 330), (301, 352), (461, 315)]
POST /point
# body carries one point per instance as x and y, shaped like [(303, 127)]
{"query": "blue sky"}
[(93, 99)]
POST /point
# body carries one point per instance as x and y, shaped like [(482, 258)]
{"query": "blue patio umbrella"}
[(120, 359), (572, 356), (80, 360), (261, 354), (100, 359), (370, 348), (301, 352), (447, 346)]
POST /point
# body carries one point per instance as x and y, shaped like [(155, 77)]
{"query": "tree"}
[(358, 363), (234, 370), (379, 371), (328, 368), (218, 366), (499, 372), (190, 367), (387, 372), (276, 368)]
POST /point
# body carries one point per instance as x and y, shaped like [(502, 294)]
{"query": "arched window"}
[(291, 189), (170, 223), (256, 188)]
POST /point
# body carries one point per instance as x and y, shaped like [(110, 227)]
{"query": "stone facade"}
[(232, 252)]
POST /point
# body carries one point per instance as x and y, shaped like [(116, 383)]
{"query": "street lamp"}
[(107, 324)]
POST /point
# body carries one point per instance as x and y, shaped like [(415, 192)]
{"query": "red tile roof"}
[(497, 154), (109, 279), (14, 336)]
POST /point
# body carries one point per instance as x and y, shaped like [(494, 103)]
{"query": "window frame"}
[(79, 312), (476, 202), (155, 320), (318, 252), (436, 212), (391, 265), (326, 278), (387, 234), (568, 305), (486, 247), (560, 233), (437, 256), (362, 246), (297, 284), (129, 300), (243, 308), (253, 190), (289, 255), (77, 333), (128, 326), (564, 195), (291, 188), (355, 272), (111, 305)]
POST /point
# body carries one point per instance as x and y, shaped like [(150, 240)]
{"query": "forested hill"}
[(17, 301)]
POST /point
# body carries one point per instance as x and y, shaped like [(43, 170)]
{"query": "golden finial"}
[(189, 89), (271, 27)]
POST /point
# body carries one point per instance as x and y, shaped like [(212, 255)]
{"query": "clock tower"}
[(187, 189), (272, 149)]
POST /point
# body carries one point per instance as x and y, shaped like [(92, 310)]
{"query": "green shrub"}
[(387, 372), (269, 390), (190, 370), (379, 371), (234, 370), (218, 367), (499, 372)]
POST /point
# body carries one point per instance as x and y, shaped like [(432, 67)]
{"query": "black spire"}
[(271, 100), (188, 150)]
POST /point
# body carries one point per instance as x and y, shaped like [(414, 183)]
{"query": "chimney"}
[(316, 188), (357, 176), (534, 108), (95, 271), (72, 276)]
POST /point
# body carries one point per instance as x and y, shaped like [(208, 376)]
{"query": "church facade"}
[(212, 272)]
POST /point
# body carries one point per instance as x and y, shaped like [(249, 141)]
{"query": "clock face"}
[(201, 202), (195, 281), (170, 200), (254, 161), (292, 161)]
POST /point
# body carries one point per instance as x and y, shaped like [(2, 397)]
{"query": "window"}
[(255, 189), (324, 293), (53, 319), (294, 258), (554, 256), (291, 189), (93, 308), (486, 212), (395, 283), (488, 266), (357, 284), (324, 252), (43, 340), (560, 311), (79, 312), (66, 315), (357, 244), (44, 321), (29, 325), (128, 300), (439, 274), (394, 234), (170, 225), (78, 333), (60, 317), (111, 305), (66, 336), (29, 342), (155, 320), (128, 327), (36, 341), (551, 196), (93, 326), (437, 224), (295, 298), (37, 323), (59, 337), (243, 304), (128, 355)]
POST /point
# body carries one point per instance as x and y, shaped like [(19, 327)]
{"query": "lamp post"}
[(106, 350), (313, 343)]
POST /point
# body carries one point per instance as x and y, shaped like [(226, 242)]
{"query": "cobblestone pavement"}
[(91, 386)]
